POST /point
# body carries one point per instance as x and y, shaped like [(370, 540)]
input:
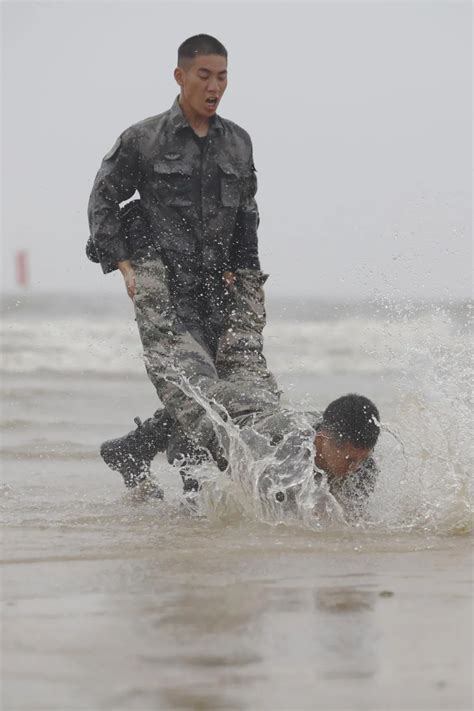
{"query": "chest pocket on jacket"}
[(230, 183), (174, 182)]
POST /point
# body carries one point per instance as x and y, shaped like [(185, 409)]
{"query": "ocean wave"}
[(112, 348), (63, 451)]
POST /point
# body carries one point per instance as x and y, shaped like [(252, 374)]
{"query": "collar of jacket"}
[(179, 120)]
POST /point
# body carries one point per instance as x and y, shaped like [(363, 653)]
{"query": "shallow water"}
[(110, 602)]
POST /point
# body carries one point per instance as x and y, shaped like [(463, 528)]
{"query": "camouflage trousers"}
[(183, 372)]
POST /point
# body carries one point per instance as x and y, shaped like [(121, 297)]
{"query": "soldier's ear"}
[(179, 76)]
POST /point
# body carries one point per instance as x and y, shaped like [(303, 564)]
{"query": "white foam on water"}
[(426, 479), (73, 345), (112, 346)]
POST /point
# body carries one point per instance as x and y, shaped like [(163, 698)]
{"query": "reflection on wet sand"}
[(348, 648), (266, 630), (263, 630), (206, 641), (344, 600)]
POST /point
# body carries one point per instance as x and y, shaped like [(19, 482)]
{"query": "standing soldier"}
[(196, 179)]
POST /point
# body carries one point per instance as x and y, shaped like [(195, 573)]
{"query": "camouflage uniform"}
[(200, 207), (175, 359), (197, 198), (289, 437), (239, 385)]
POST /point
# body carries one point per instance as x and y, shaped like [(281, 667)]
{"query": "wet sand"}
[(113, 603)]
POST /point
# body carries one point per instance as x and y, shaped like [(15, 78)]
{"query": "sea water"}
[(112, 602)]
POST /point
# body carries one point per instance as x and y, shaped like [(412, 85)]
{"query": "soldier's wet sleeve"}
[(244, 246), (117, 179), (283, 482)]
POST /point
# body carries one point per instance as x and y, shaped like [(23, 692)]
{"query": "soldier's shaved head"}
[(202, 76), (199, 45), (347, 435), (353, 418)]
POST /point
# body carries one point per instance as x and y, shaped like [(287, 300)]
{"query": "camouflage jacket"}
[(199, 201), (284, 439)]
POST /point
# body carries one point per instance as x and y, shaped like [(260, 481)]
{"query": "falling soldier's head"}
[(347, 435)]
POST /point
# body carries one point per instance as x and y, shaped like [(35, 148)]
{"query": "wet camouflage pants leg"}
[(171, 354), (240, 360), (174, 358)]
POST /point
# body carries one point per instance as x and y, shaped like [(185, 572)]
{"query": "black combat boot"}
[(132, 454)]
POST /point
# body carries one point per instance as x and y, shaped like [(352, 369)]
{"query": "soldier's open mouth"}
[(212, 101)]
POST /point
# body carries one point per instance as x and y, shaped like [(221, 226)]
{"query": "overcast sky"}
[(360, 115)]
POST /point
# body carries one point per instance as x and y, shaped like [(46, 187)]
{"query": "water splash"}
[(425, 458), (422, 354), (257, 485), (426, 479)]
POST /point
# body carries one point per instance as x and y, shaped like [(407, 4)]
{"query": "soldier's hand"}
[(128, 274), (229, 279)]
